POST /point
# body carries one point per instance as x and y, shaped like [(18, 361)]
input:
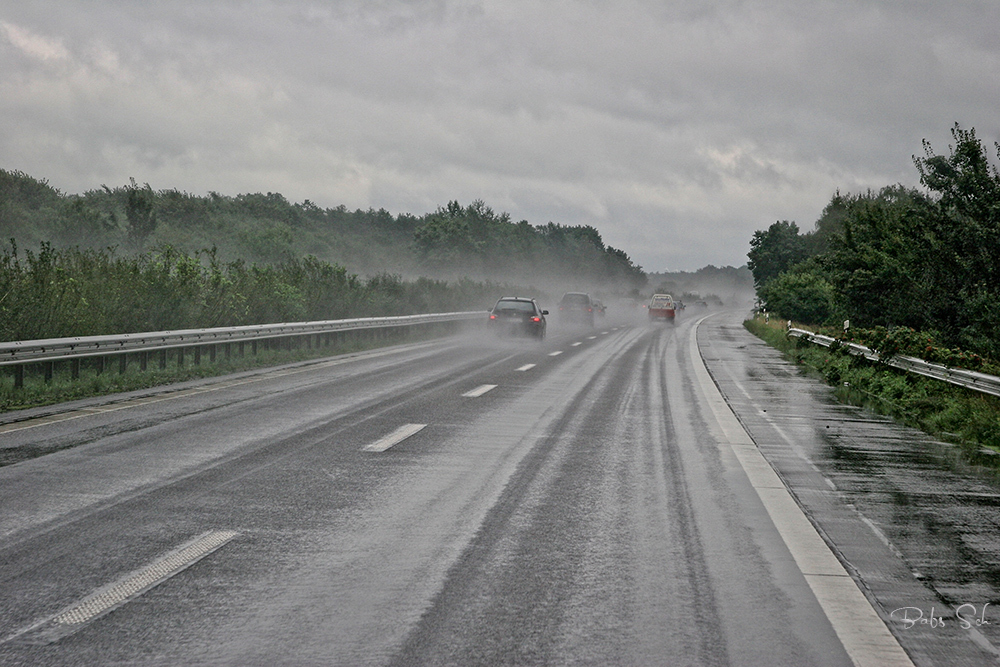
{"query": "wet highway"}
[(915, 525), (593, 499)]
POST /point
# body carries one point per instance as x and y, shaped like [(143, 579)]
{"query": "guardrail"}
[(987, 384), (49, 351)]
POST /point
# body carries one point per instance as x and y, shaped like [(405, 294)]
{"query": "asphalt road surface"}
[(592, 499)]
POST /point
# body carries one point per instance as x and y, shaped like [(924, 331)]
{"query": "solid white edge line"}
[(865, 636), (394, 438), (479, 391), (526, 367)]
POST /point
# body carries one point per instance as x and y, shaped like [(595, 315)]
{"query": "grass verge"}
[(959, 416)]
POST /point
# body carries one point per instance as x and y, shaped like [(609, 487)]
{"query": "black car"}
[(518, 316), (576, 308)]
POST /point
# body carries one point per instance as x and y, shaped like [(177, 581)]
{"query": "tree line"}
[(56, 293), (898, 258), (455, 241), (132, 258)]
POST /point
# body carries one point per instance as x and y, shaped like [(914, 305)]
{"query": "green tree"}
[(967, 224), (901, 257), (885, 264), (829, 226), (775, 251), (80, 224), (964, 182), (446, 239), (140, 215), (803, 296)]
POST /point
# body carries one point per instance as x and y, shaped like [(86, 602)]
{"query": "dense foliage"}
[(899, 257), (57, 293), (774, 251), (969, 419), (454, 241), (135, 259)]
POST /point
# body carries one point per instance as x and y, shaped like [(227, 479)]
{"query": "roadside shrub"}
[(803, 297), (893, 341), (965, 417)]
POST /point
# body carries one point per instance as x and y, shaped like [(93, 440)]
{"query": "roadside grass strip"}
[(479, 391), (394, 438), (129, 587)]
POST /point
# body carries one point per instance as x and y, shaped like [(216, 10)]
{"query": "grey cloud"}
[(676, 129)]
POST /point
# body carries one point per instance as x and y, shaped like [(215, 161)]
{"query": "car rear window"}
[(576, 299), (523, 306)]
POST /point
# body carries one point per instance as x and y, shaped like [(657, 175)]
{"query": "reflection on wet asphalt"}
[(931, 559)]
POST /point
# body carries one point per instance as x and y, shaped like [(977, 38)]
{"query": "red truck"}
[(662, 307)]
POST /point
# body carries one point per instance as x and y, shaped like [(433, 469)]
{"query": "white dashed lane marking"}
[(394, 438), (526, 367), (181, 393), (479, 391), (129, 587), (555, 354)]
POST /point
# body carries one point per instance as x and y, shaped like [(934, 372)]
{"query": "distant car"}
[(662, 307), (599, 308), (518, 316), (576, 308)]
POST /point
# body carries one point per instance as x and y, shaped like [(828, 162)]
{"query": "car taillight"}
[(492, 316), (536, 319)]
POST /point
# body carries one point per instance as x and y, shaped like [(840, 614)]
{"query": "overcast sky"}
[(676, 128)]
